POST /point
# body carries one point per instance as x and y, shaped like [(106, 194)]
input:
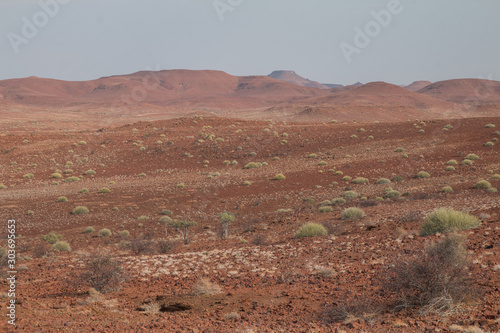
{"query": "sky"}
[(330, 41)]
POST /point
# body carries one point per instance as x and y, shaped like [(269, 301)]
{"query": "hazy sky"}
[(331, 41)]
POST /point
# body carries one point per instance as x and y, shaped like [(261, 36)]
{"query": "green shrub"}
[(30, 212), (325, 203), (392, 194), (2, 186), (142, 218), (492, 190), (165, 219), (104, 190), (61, 246), (124, 233), (181, 185), (52, 237), (483, 184), (472, 157), (447, 189), (104, 232), (383, 181), (467, 162), (422, 174), (397, 179), (339, 173), (279, 176), (352, 213), (311, 230), (338, 201), (89, 172), (322, 163), (80, 210), (444, 220), (495, 176), (142, 174), (349, 195), (489, 125), (347, 178), (166, 212), (88, 230), (450, 168), (325, 209), (62, 199), (251, 165), (247, 183), (399, 150), (84, 190), (56, 175), (452, 162), (72, 179), (360, 180), (489, 144), (28, 176)]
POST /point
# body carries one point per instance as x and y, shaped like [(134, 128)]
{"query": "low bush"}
[(483, 184), (422, 174), (452, 162), (104, 232), (338, 201), (88, 230), (89, 172), (52, 237), (392, 194), (80, 210), (349, 195), (383, 181), (102, 273), (62, 199), (311, 230), (445, 220), (447, 189), (279, 176), (467, 162), (353, 213), (325, 209), (104, 190), (61, 246), (360, 180), (435, 280), (204, 287), (472, 157)]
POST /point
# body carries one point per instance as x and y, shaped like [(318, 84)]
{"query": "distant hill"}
[(417, 85), (292, 77), (468, 91), (177, 93)]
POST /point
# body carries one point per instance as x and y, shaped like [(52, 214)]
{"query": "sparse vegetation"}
[(52, 237), (349, 195), (445, 220), (422, 174), (483, 184), (61, 246), (360, 180), (182, 227), (383, 181), (88, 230), (447, 189), (204, 287), (311, 230), (325, 209), (62, 199), (104, 190), (353, 213), (225, 219), (80, 210), (279, 176), (434, 281), (104, 232), (102, 273), (472, 157)]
